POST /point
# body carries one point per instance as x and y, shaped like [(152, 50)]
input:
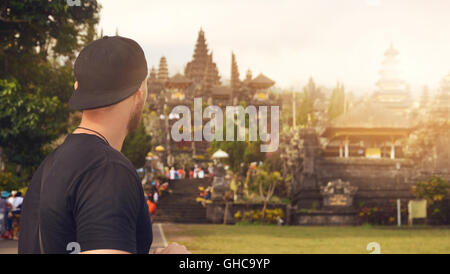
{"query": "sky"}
[(290, 41)]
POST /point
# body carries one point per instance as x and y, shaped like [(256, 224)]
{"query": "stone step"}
[(179, 206)]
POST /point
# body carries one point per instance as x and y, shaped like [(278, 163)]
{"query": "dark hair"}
[(18, 194)]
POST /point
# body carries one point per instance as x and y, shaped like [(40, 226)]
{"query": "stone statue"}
[(338, 193), (219, 185)]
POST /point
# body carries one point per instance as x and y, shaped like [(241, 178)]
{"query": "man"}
[(86, 192)]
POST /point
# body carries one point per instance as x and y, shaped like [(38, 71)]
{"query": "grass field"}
[(298, 239)]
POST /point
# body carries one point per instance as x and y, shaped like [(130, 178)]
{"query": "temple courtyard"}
[(220, 239)]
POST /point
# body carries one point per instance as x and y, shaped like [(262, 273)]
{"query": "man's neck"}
[(114, 133)]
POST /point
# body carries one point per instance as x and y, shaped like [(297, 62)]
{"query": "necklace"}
[(88, 129)]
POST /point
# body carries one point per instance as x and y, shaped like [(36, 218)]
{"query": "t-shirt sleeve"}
[(106, 209)]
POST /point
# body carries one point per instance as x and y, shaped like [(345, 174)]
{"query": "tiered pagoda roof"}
[(261, 82), (179, 81), (235, 81), (368, 118), (392, 92), (163, 71), (202, 70)]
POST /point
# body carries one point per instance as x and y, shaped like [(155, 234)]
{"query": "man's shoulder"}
[(116, 158), (82, 153)]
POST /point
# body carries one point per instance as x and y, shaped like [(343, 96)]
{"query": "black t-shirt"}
[(92, 196)]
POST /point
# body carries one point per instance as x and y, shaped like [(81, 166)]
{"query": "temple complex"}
[(201, 79), (392, 92)]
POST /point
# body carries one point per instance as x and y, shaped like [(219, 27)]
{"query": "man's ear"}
[(143, 90), (75, 85), (139, 93)]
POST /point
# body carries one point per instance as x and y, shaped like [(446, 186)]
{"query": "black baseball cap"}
[(108, 70)]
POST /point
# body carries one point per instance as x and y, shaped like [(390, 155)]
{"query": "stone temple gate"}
[(375, 181)]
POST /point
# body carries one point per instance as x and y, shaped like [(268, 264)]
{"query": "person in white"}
[(17, 202), (11, 198), (195, 171), (201, 173), (172, 173)]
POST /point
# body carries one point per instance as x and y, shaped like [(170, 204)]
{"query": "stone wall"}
[(377, 180)]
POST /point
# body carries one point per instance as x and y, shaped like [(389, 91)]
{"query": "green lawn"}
[(300, 239)]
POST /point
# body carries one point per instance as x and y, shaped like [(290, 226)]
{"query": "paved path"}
[(159, 241), (8, 247)]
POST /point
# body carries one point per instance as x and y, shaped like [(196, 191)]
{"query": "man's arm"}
[(105, 251), (173, 248)]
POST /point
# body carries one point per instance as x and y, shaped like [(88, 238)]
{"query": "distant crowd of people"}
[(10, 210), (160, 184), (196, 172)]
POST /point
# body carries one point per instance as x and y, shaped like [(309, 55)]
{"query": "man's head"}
[(130, 108), (139, 100), (111, 80)]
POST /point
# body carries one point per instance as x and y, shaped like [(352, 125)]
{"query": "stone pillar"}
[(392, 150), (346, 148), (219, 184), (340, 151)]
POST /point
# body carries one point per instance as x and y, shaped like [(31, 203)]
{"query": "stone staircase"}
[(180, 205)]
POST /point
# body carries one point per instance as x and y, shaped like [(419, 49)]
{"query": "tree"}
[(184, 161), (227, 198), (266, 182), (35, 29), (308, 98), (137, 145), (152, 123), (305, 112), (241, 153), (313, 92), (337, 102), (38, 43), (25, 121)]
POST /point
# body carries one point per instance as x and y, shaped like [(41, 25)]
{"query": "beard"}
[(135, 118)]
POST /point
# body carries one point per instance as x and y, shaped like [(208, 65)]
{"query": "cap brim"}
[(86, 99)]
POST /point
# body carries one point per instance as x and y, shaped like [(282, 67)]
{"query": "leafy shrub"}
[(385, 214), (254, 216), (434, 191)]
